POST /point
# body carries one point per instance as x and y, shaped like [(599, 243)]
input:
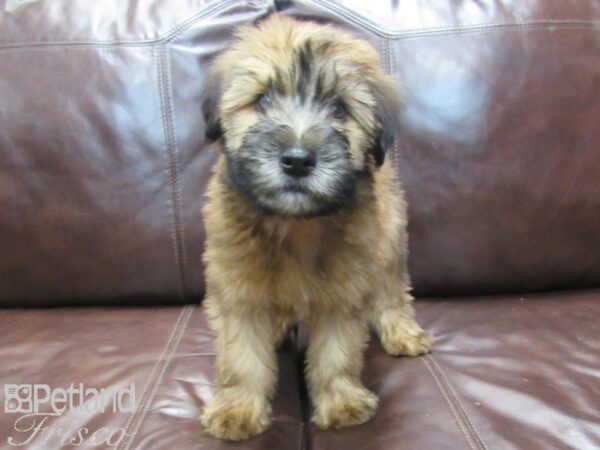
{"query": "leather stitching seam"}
[(177, 30), (392, 71), (371, 26), (357, 19), (390, 68), (451, 389), (452, 405), (177, 226), (134, 418), (177, 334)]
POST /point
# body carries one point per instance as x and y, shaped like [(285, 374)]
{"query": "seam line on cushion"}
[(530, 26), (475, 29), (177, 226), (215, 8), (133, 425), (368, 24), (468, 433), (549, 24), (390, 69), (476, 433), (459, 421), (153, 374)]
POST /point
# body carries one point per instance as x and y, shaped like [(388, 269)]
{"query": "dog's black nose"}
[(297, 162)]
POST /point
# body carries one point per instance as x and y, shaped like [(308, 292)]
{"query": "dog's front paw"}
[(353, 405), (408, 341), (234, 419)]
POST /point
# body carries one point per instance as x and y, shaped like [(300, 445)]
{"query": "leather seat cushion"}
[(507, 372)]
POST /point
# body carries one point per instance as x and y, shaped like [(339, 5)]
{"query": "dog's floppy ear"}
[(210, 107), (387, 114)]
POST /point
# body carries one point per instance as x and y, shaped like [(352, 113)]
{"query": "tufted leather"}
[(103, 158)]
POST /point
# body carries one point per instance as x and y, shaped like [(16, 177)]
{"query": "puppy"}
[(304, 221)]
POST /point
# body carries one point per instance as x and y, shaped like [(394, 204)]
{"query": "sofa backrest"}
[(103, 164)]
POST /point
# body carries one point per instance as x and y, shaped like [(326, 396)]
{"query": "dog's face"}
[(303, 112)]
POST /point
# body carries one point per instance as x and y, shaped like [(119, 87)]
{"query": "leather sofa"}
[(102, 172)]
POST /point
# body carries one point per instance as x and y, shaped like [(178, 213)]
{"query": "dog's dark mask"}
[(256, 170)]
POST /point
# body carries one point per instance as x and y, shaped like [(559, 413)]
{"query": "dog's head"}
[(302, 112)]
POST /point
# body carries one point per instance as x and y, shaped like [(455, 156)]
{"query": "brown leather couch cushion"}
[(517, 372), (102, 174), (103, 165), (507, 373), (102, 156), (167, 353), (498, 144)]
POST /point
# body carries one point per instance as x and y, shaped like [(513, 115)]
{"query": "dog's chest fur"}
[(297, 242), (289, 264), (307, 259), (292, 265)]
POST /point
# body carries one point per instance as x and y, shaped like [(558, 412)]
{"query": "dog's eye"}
[(338, 110), (263, 102)]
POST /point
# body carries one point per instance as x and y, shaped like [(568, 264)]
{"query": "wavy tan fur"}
[(338, 272)]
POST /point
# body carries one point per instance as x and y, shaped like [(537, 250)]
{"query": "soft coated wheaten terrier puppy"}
[(304, 221)]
